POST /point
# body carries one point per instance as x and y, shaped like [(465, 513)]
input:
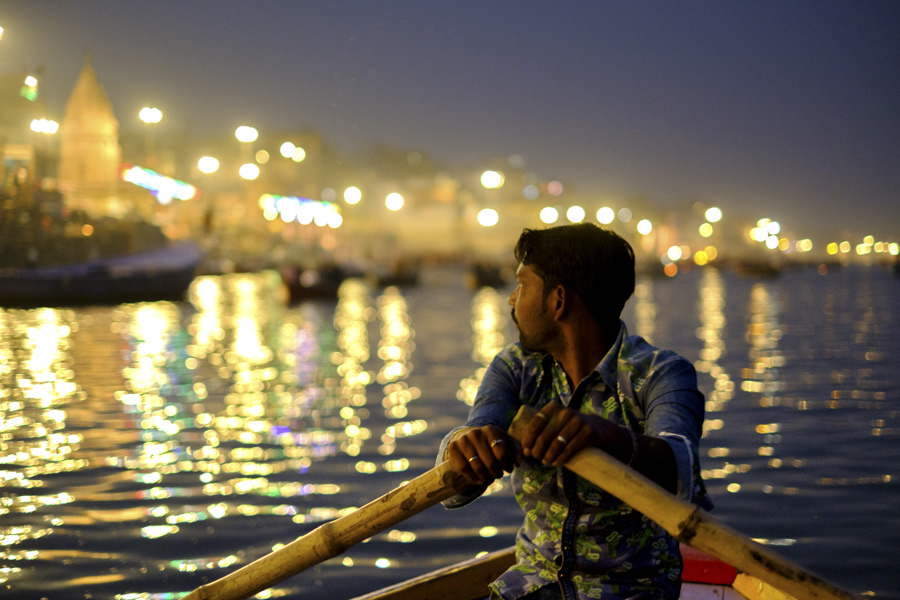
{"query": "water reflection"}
[(489, 321), (644, 309), (36, 387), (151, 447)]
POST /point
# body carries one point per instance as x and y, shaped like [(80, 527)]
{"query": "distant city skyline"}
[(779, 110)]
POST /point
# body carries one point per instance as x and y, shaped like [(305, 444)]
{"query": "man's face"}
[(529, 310)]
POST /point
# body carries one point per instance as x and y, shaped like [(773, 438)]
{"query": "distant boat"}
[(160, 274), (756, 268), (487, 274)]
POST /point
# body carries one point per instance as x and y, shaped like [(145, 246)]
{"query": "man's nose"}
[(511, 300)]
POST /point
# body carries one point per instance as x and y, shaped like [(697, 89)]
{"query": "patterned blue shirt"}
[(574, 533)]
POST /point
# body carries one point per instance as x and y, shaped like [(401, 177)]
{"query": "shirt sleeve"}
[(496, 403), (675, 410)]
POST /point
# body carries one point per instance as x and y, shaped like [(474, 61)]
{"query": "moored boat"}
[(160, 274), (704, 578)]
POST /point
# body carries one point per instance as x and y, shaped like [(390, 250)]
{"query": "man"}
[(595, 386)]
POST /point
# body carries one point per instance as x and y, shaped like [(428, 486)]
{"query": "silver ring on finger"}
[(542, 415), (561, 439), (497, 441), (473, 458)]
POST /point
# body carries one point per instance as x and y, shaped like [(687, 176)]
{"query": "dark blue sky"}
[(788, 110)]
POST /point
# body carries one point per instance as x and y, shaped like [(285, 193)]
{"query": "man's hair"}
[(595, 263)]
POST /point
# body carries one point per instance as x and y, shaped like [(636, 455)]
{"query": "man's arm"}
[(484, 439)]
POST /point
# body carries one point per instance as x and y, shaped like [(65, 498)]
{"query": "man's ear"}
[(558, 302)]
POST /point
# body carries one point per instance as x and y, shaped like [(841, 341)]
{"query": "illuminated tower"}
[(90, 154)]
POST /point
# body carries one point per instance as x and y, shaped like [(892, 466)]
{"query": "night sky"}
[(788, 110)]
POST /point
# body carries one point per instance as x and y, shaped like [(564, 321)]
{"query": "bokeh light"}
[(488, 217), (605, 215), (549, 215)]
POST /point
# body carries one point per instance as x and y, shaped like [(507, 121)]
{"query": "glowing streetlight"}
[(287, 149), (488, 217), (246, 134), (605, 215), (208, 164), (549, 215), (644, 226), (44, 126), (674, 253), (575, 214), (713, 214), (492, 179), (150, 115), (394, 202), (352, 195), (706, 230), (249, 171)]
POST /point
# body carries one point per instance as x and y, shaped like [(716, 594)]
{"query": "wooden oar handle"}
[(690, 524)]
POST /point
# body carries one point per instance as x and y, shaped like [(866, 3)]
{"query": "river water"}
[(146, 449)]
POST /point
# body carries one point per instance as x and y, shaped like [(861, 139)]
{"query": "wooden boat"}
[(161, 274), (704, 578)]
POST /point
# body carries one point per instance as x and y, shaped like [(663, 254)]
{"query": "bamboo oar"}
[(690, 524), (333, 538)]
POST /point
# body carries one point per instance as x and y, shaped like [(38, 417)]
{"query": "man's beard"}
[(533, 342)]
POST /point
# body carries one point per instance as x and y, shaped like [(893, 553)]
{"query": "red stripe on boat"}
[(700, 567)]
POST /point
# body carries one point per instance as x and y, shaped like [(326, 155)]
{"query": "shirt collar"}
[(608, 367)]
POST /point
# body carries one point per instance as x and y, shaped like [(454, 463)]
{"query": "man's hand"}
[(556, 434), (482, 454)]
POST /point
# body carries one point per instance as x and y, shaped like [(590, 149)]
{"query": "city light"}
[(208, 164), (287, 149), (488, 217), (164, 188), (44, 126), (575, 214), (248, 171), (625, 215), (150, 115), (492, 180), (549, 215), (555, 188), (394, 201), (246, 134), (674, 253), (606, 215), (262, 157), (299, 155), (706, 230), (644, 226), (352, 195), (713, 214)]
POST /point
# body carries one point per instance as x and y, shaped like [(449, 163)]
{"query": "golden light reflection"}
[(644, 309), (36, 388), (762, 376), (489, 320)]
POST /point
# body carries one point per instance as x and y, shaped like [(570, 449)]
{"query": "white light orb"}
[(488, 217), (606, 215), (549, 215), (394, 201)]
